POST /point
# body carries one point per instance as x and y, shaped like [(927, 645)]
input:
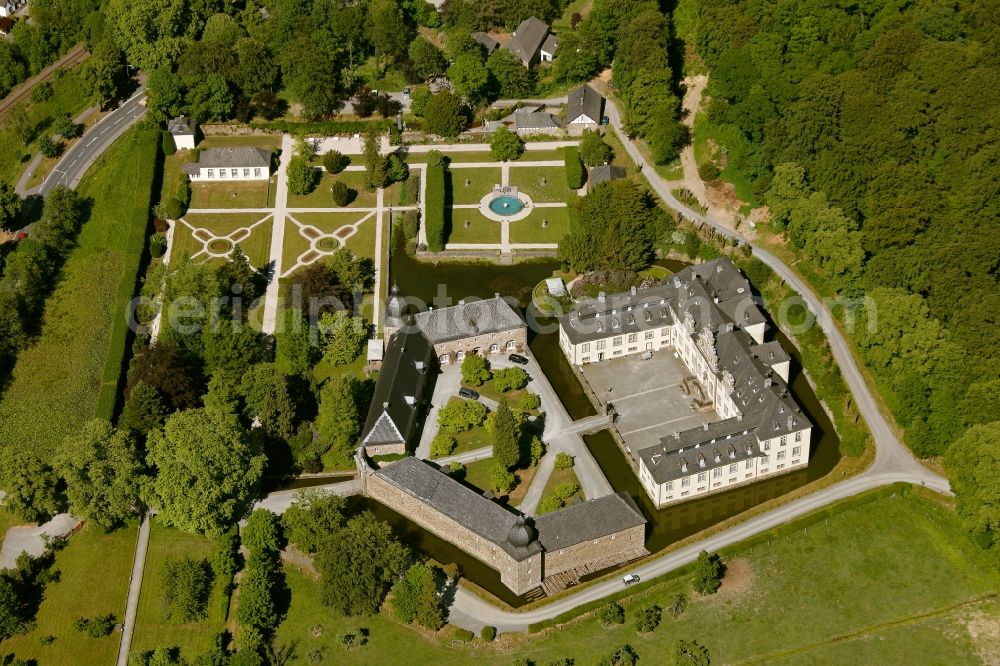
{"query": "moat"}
[(460, 280)]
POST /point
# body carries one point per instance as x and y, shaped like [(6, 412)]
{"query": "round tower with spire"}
[(395, 312)]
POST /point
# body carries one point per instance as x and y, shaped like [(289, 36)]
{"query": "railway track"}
[(71, 58)]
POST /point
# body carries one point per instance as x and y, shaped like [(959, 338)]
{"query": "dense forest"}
[(869, 128)]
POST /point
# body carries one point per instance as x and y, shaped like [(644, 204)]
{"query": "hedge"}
[(327, 127), (434, 224), (464, 635), (574, 167), (488, 633)]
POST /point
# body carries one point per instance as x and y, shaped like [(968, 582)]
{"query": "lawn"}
[(848, 586), (542, 184), (320, 197), (7, 521), (152, 630), (94, 572), (257, 246), (362, 242), (480, 230), (558, 478), (530, 229), (234, 194), (68, 96), (469, 186), (470, 440), (478, 474), (405, 192), (70, 373)]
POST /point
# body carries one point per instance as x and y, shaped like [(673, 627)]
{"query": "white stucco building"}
[(183, 133), (706, 315), (228, 164)]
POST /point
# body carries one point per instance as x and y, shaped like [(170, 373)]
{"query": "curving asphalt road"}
[(893, 461)]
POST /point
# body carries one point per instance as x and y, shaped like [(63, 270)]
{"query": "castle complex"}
[(706, 315)]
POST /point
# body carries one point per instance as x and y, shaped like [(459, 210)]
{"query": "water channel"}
[(455, 281)]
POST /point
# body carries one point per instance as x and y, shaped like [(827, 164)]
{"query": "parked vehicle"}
[(468, 393), (406, 93), (517, 358), (630, 579)]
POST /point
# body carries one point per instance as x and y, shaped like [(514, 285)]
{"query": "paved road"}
[(70, 169), (893, 461), (134, 587)]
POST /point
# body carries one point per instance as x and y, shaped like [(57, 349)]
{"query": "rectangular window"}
[(717, 472), (585, 347), (222, 173), (749, 464), (781, 455), (600, 344), (256, 172), (669, 485), (732, 468), (211, 173), (701, 477), (685, 483), (235, 173), (767, 446), (798, 436), (649, 335), (764, 459), (664, 332), (632, 337), (784, 440), (796, 450), (617, 342), (246, 172)]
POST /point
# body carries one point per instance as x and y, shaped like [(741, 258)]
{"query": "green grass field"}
[(362, 243), (94, 573), (70, 374), (234, 194), (152, 630), (558, 478), (480, 183), (530, 229), (470, 440), (542, 184), (851, 588), (480, 230), (257, 246), (320, 197)]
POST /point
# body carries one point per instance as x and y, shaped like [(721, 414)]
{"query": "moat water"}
[(666, 526)]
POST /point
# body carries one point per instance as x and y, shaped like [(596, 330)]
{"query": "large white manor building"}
[(707, 316)]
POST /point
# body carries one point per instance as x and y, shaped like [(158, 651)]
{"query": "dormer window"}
[(684, 465), (718, 458), (701, 461)]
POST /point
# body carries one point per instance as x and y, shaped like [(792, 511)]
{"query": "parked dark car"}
[(517, 358), (468, 393)]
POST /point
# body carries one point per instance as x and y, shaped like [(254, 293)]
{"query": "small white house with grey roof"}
[(532, 41), (584, 107), (231, 163), (183, 133)]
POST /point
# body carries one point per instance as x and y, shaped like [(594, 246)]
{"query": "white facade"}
[(10, 7), (184, 141), (214, 174)]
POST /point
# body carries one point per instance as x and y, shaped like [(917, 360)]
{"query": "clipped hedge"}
[(326, 127), (488, 634), (435, 208), (464, 635), (574, 167)]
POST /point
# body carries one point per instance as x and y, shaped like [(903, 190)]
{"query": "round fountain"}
[(505, 203)]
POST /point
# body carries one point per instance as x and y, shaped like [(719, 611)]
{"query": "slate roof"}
[(536, 120), (180, 126), (587, 521), (487, 42), (399, 389), (528, 38), (468, 320), (234, 156), (550, 44), (605, 174), (584, 101), (460, 503)]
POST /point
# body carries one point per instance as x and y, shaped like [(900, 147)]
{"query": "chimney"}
[(791, 421), (767, 382), (385, 405), (677, 282), (600, 297), (634, 290), (461, 301), (705, 426), (739, 417), (677, 435)]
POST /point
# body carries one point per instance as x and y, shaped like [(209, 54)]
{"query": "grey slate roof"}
[(536, 120), (399, 389), (584, 101), (587, 521), (528, 38), (605, 174), (234, 156), (550, 44), (487, 42), (469, 319), (179, 126), (463, 505)]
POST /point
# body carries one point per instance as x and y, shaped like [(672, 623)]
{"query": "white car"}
[(630, 579)]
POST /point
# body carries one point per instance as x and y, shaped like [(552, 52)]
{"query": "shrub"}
[(475, 370), (649, 619), (593, 150), (186, 586), (501, 479), (42, 92), (411, 224), (690, 653), (464, 635), (678, 603), (302, 177), (574, 167), (167, 143), (488, 633), (442, 445), (50, 147), (66, 128), (708, 571), (624, 655), (557, 500), (611, 613), (505, 145), (101, 626), (461, 415), (173, 209), (529, 401), (435, 207), (334, 161), (563, 461), (183, 190), (342, 194), (508, 379), (157, 245), (708, 170), (263, 533), (457, 470)]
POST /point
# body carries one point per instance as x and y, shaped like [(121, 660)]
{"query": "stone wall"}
[(520, 577), (386, 449), (621, 546), (447, 352)]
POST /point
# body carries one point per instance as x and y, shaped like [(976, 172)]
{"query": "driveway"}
[(32, 539)]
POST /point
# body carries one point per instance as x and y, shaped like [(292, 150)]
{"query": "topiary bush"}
[(435, 207), (167, 143), (488, 634), (334, 161), (342, 194), (157, 245), (575, 176), (464, 635)]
